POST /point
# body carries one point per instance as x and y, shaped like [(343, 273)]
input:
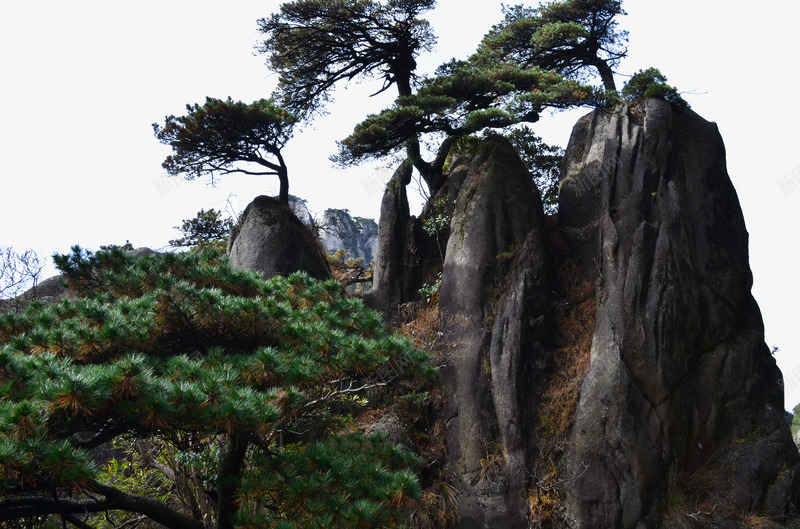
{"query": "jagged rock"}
[(337, 230), (409, 256), (493, 300), (271, 240), (389, 285), (356, 235), (406, 255), (681, 382)]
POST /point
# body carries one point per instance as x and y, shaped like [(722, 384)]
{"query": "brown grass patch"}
[(575, 322)]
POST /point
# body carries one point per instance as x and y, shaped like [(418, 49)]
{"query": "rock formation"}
[(406, 254), (642, 286), (493, 299), (337, 230), (681, 382), (270, 239)]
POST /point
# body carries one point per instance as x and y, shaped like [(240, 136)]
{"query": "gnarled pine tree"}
[(565, 36), (226, 136)]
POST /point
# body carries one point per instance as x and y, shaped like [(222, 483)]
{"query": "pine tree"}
[(225, 136), (248, 385)]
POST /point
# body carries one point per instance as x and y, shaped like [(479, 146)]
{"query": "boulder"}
[(681, 383), (271, 240)]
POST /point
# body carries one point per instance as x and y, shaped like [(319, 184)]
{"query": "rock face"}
[(606, 369), (681, 382), (356, 235), (406, 253), (493, 299), (338, 230), (271, 240)]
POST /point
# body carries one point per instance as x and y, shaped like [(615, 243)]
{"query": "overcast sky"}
[(81, 82)]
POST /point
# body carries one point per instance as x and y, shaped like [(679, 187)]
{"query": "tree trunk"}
[(431, 172), (17, 508), (229, 480), (606, 75), (283, 177)]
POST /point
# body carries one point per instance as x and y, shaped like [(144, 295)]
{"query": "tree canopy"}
[(651, 83), (565, 36), (250, 385), (206, 227), (464, 98), (314, 44), (226, 136)]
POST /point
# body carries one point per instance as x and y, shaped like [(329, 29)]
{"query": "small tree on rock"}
[(651, 83), (463, 99), (543, 161), (226, 136), (315, 44), (205, 227)]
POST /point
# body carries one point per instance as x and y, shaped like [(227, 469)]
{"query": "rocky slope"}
[(606, 368)]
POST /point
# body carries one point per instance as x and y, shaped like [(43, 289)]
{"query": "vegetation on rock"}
[(226, 136), (314, 44), (565, 36), (651, 83)]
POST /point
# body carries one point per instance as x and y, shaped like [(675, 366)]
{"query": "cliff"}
[(681, 383), (605, 369)]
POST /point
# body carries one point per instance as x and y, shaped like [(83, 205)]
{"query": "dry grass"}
[(575, 322), (437, 508)]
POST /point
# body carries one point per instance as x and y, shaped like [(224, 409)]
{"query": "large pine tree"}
[(233, 397)]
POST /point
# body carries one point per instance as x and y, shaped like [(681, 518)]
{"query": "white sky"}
[(82, 81)]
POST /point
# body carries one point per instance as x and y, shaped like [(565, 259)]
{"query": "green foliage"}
[(169, 347), (314, 44), (435, 220), (205, 227), (438, 218), (465, 98), (565, 36), (315, 486), (543, 161), (651, 83), (350, 271), (226, 136), (429, 291)]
